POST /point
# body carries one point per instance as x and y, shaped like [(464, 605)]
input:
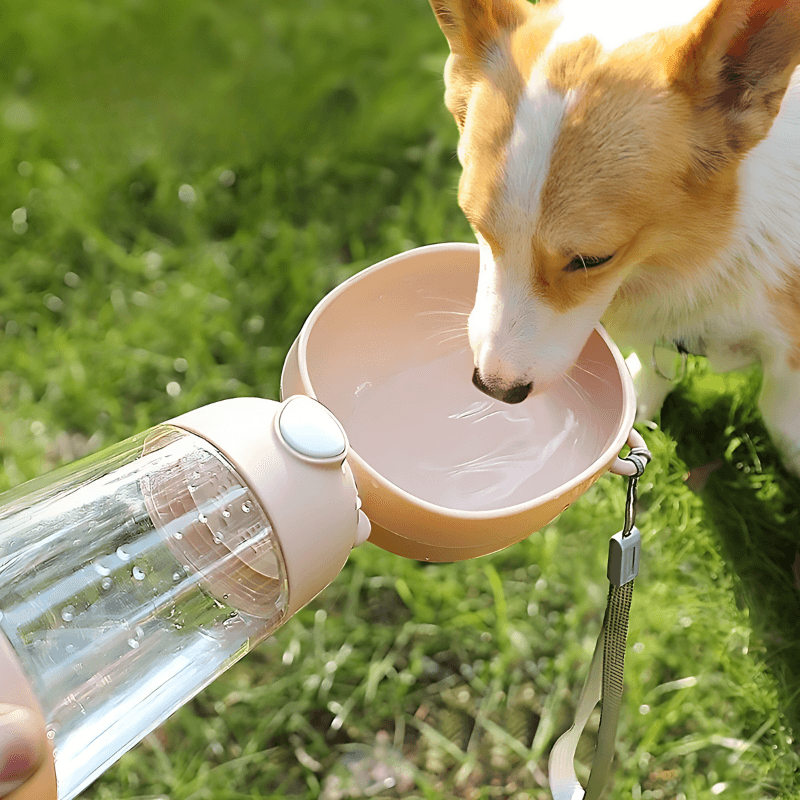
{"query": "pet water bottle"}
[(131, 579)]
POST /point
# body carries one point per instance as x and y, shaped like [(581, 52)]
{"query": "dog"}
[(635, 163)]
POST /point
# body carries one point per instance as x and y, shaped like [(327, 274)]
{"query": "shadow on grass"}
[(753, 504)]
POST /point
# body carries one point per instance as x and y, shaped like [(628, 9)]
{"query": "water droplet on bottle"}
[(68, 613), (106, 583), (133, 644), (138, 574), (225, 512), (218, 537), (247, 506), (192, 488), (122, 555), (100, 569), (178, 534), (202, 518), (176, 576), (70, 648)]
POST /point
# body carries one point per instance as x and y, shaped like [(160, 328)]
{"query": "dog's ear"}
[(735, 61), (473, 26)]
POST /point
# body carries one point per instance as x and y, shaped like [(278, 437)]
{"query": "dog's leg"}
[(651, 388), (779, 401)]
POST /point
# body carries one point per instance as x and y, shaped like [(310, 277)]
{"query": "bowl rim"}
[(603, 461)]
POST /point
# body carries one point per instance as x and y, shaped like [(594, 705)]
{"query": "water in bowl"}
[(430, 432)]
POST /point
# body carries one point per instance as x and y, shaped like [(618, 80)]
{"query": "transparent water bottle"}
[(131, 579)]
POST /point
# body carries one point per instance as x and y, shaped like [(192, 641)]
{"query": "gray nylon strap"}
[(564, 785), (616, 637), (606, 673), (604, 681)]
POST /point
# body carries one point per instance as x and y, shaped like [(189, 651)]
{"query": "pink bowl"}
[(444, 472)]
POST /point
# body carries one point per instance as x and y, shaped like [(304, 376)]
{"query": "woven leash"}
[(605, 679)]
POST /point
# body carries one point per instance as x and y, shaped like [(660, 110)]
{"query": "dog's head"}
[(590, 160)]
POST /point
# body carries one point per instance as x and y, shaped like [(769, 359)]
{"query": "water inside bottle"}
[(118, 621)]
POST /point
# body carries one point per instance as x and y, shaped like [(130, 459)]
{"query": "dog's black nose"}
[(515, 394), (478, 381)]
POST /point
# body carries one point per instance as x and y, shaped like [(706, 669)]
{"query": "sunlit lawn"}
[(181, 182)]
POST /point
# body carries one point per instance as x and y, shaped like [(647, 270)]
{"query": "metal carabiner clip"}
[(640, 457), (633, 464), (632, 467)]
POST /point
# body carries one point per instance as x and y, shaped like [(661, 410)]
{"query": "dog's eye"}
[(586, 262)]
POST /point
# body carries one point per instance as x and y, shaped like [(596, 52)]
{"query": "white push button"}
[(310, 429), (364, 528)]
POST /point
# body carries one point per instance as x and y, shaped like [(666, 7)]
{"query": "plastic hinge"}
[(624, 553)]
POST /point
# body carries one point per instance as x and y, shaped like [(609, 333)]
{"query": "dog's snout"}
[(515, 393)]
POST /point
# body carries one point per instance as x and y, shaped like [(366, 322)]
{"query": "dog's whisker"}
[(438, 313), (592, 361), (452, 329), (580, 392), (591, 374), (585, 371), (454, 338), (453, 302), (449, 332)]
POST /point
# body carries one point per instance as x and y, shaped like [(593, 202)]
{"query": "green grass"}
[(194, 177)]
